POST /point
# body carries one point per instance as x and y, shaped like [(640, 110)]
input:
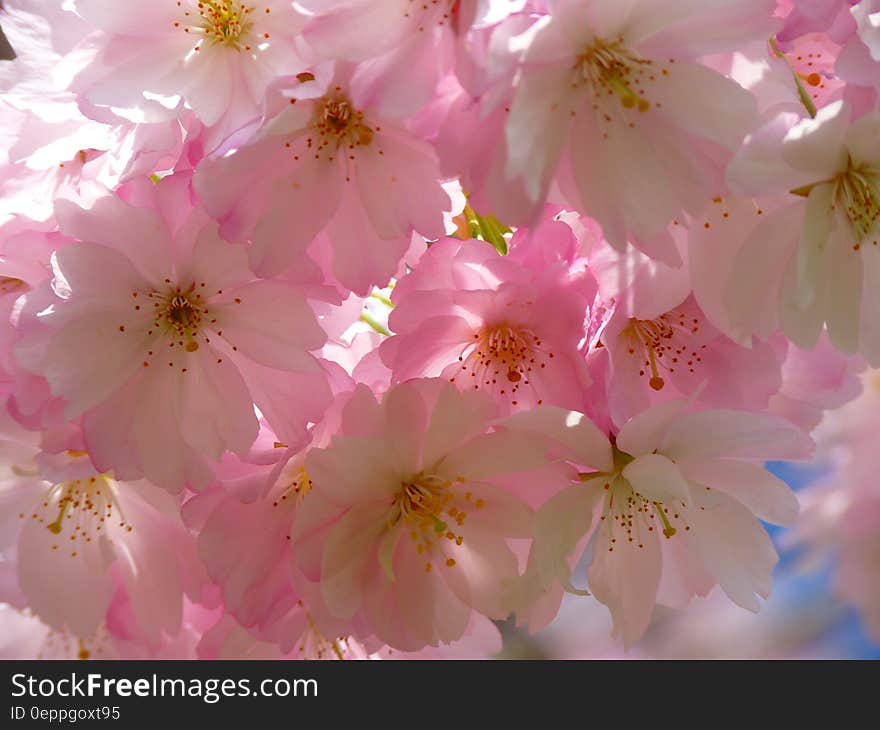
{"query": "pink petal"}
[(584, 442), (270, 323)]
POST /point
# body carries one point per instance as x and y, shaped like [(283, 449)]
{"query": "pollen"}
[(11, 284)]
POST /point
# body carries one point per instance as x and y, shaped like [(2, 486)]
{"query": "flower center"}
[(78, 511), (336, 131), (663, 344), (181, 317), (628, 515), (503, 358), (858, 195), (224, 21), (229, 23), (339, 125), (179, 314), (610, 69), (427, 505)]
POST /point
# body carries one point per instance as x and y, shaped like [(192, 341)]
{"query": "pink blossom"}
[(173, 343), (326, 163), (679, 353), (654, 342), (244, 540), (813, 60), (76, 532), (218, 56), (612, 104), (409, 520), (485, 323), (405, 48), (343, 329), (690, 477)]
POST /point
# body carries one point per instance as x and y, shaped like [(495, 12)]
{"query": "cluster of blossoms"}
[(346, 328)]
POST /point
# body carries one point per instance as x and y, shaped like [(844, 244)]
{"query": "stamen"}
[(609, 68), (627, 514), (291, 489), (668, 529), (223, 22), (504, 358), (419, 508), (86, 508), (664, 343), (858, 195)]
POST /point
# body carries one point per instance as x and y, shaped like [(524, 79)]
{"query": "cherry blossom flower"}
[(76, 531), (612, 104), (818, 253), (173, 343), (679, 353), (326, 163), (244, 528), (408, 520), (219, 56), (672, 502), (815, 382), (484, 323), (659, 344)]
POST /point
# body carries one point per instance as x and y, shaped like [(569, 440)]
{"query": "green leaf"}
[(487, 228)]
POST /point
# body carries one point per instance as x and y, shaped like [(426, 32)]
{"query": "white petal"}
[(625, 578), (734, 548), (735, 434), (753, 486), (655, 477), (644, 433)]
